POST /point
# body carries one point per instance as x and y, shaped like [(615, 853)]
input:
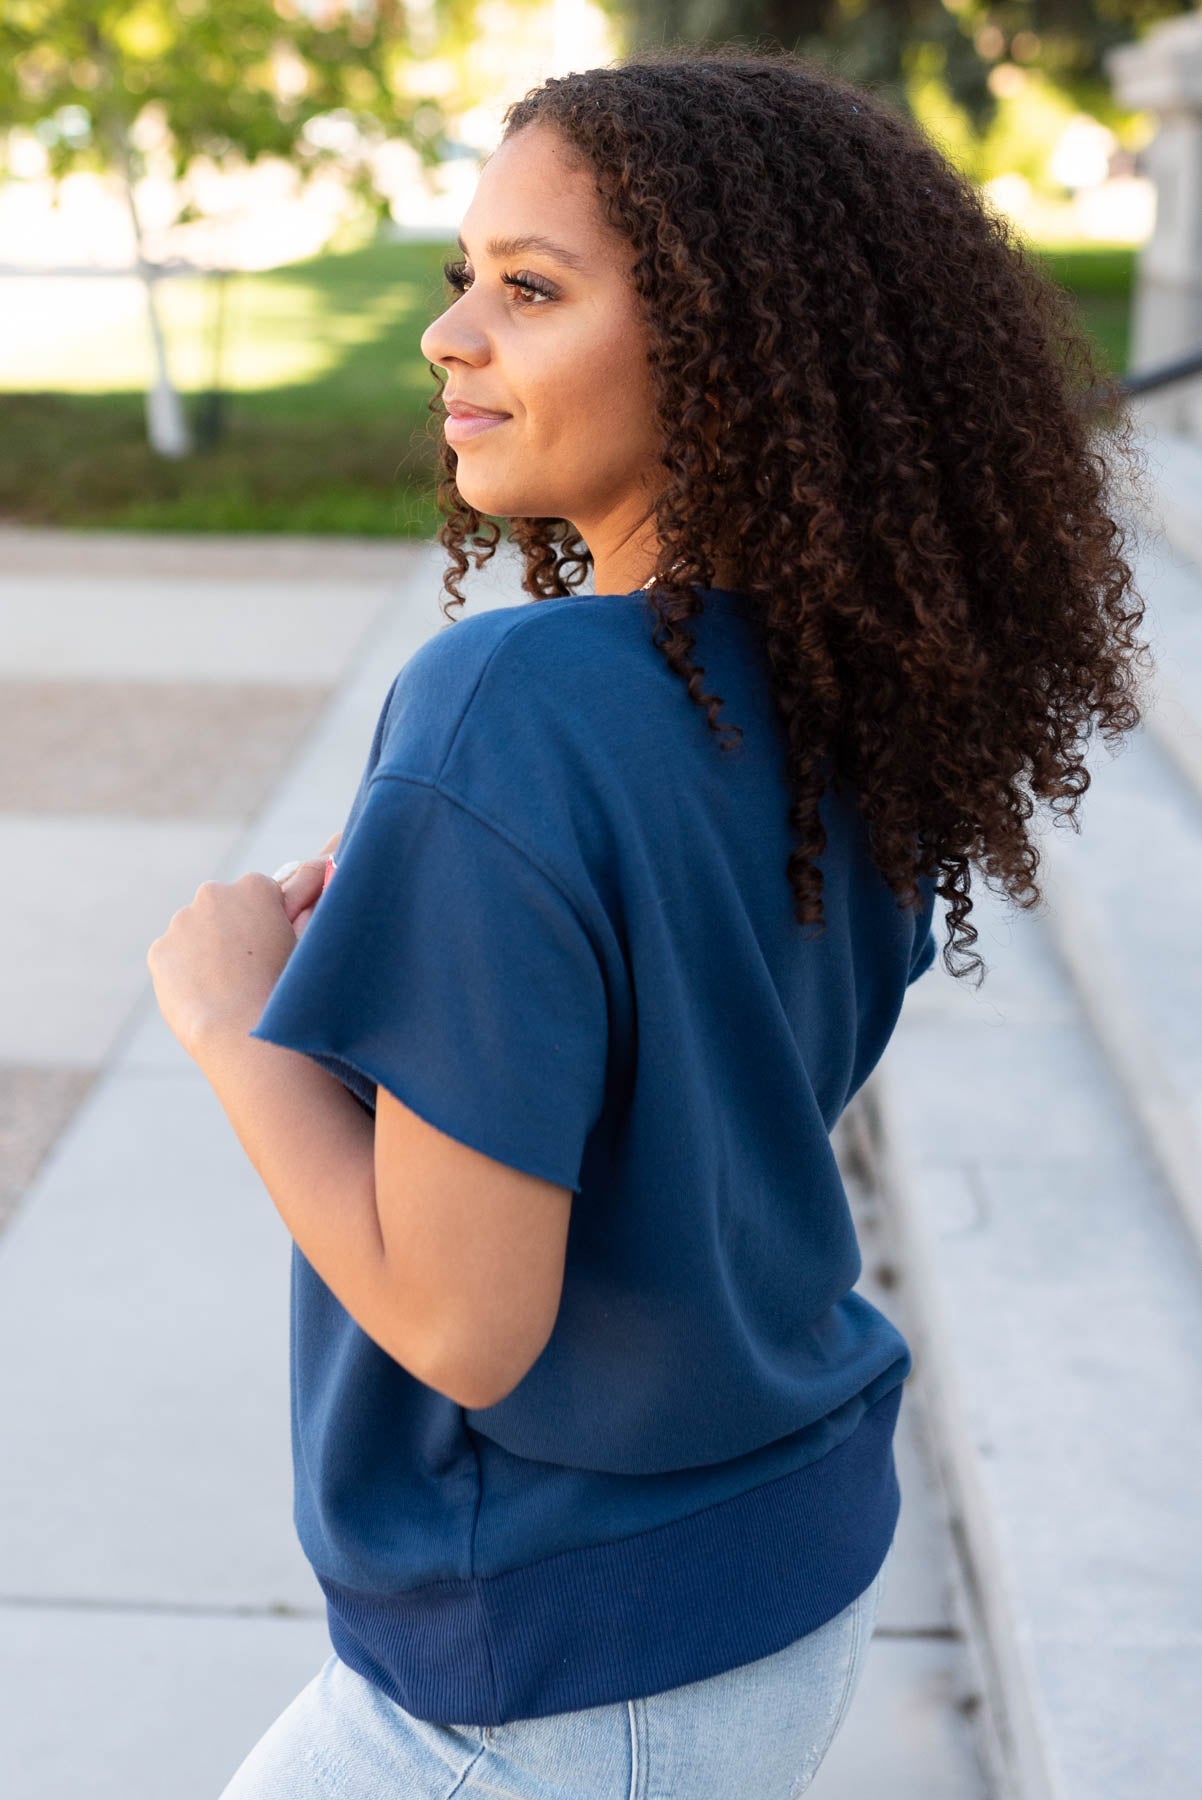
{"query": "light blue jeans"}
[(758, 1732)]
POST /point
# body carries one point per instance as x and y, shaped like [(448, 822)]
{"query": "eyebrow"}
[(501, 247)]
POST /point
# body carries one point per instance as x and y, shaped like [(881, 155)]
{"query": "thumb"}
[(303, 886)]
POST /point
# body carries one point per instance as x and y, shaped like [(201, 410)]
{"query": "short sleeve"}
[(445, 964)]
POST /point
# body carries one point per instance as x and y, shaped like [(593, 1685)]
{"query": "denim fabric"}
[(757, 1732)]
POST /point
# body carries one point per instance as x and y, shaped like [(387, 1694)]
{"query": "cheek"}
[(591, 397)]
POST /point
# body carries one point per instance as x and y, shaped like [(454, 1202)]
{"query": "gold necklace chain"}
[(655, 578)]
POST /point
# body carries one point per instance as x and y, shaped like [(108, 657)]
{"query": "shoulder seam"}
[(537, 862), (482, 672)]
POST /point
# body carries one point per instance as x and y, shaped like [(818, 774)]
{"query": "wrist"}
[(215, 1035)]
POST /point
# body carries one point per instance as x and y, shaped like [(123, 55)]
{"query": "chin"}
[(496, 498)]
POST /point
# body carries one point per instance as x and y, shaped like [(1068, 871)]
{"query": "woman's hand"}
[(302, 889), (216, 964)]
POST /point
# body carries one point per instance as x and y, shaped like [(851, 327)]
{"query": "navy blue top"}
[(561, 931)]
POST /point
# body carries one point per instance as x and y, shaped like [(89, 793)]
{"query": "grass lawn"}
[(327, 421), (1102, 281)]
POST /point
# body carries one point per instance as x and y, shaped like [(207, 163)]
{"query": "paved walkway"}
[(174, 710)]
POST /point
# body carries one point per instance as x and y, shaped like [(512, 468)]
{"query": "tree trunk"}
[(166, 425)]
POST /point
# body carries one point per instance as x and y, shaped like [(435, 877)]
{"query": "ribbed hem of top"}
[(693, 1598)]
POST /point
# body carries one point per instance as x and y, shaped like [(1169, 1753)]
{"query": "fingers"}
[(303, 886), (301, 920)]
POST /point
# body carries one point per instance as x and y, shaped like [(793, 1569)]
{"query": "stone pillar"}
[(1162, 73)]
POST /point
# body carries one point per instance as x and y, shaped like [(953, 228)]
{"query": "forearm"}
[(313, 1146)]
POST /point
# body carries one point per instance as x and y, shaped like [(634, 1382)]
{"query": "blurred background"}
[(222, 226), (239, 209)]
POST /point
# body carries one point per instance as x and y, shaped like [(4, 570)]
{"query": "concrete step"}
[(1169, 566), (919, 1727), (1039, 1141), (1175, 465)]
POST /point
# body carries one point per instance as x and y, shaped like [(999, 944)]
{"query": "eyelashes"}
[(457, 277)]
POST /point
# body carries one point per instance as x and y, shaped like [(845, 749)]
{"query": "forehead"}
[(533, 186)]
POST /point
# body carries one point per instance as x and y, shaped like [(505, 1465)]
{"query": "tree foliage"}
[(878, 42), (242, 77)]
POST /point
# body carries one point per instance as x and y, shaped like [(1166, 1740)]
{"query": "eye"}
[(456, 275)]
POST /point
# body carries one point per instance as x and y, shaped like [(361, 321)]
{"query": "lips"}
[(465, 422), (461, 409)]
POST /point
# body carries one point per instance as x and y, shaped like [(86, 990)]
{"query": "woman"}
[(592, 1435)]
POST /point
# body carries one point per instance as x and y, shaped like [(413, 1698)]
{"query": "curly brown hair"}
[(908, 464)]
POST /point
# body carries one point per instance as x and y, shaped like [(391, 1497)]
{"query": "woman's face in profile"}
[(565, 359)]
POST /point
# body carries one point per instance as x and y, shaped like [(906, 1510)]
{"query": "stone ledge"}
[(1058, 1313)]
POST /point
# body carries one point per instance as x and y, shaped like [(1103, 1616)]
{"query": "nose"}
[(450, 337)]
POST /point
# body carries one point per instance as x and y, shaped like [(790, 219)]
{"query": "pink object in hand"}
[(331, 865)]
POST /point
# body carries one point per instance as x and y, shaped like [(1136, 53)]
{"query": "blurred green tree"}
[(879, 43), (227, 79)]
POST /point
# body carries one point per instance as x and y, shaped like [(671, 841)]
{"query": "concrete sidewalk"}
[(175, 710)]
